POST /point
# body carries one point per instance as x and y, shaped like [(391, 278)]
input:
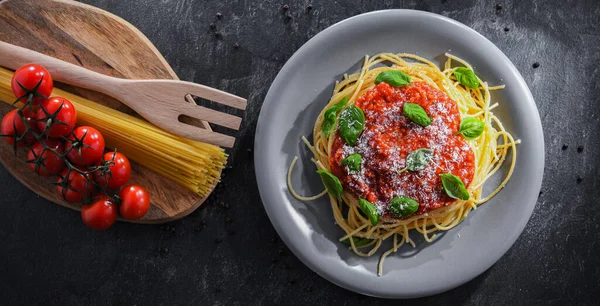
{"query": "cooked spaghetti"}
[(411, 145), (192, 164)]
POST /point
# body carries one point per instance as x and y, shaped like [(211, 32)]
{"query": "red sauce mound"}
[(389, 137)]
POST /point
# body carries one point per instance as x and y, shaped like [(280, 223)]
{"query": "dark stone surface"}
[(227, 252)]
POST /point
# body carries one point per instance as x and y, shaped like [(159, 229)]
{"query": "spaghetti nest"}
[(490, 149)]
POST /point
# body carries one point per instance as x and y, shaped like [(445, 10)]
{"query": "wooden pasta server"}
[(167, 97)]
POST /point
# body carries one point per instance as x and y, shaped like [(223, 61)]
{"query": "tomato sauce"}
[(389, 136)]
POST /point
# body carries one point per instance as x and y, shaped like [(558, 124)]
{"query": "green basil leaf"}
[(358, 241), (402, 207), (393, 77), (454, 187), (352, 123), (328, 124), (467, 77), (416, 114), (471, 128), (418, 159), (353, 162), (330, 116), (332, 183), (369, 210)]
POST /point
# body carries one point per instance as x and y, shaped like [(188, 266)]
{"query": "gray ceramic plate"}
[(301, 90)]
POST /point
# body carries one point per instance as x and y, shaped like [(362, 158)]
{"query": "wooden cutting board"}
[(102, 42)]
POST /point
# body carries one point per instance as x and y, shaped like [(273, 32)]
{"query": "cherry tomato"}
[(117, 173), (13, 127), (46, 163), (100, 215), (98, 197), (9, 128), (135, 201), (88, 146), (61, 115), (78, 186), (30, 118), (29, 77)]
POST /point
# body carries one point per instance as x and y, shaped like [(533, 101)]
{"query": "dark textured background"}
[(227, 252)]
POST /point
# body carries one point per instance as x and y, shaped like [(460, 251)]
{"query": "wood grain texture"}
[(101, 42)]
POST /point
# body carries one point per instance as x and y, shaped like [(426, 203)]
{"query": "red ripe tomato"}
[(27, 78), (78, 187), (118, 172), (100, 215), (135, 201), (88, 146), (61, 115), (14, 127), (44, 162), (98, 197), (30, 118), (8, 127)]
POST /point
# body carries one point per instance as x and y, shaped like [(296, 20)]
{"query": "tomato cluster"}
[(75, 155)]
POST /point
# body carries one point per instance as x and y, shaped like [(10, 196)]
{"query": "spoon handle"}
[(13, 57)]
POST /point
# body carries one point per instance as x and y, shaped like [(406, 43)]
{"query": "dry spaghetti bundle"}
[(192, 164)]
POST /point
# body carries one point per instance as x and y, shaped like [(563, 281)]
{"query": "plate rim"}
[(260, 175)]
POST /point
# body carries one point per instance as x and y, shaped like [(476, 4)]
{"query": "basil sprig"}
[(369, 210), (454, 187), (358, 241), (353, 162), (393, 77), (332, 184), (330, 116), (402, 207), (467, 77), (352, 123), (416, 114), (471, 128), (418, 159)]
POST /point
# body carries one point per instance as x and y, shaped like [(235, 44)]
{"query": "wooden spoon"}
[(167, 97)]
